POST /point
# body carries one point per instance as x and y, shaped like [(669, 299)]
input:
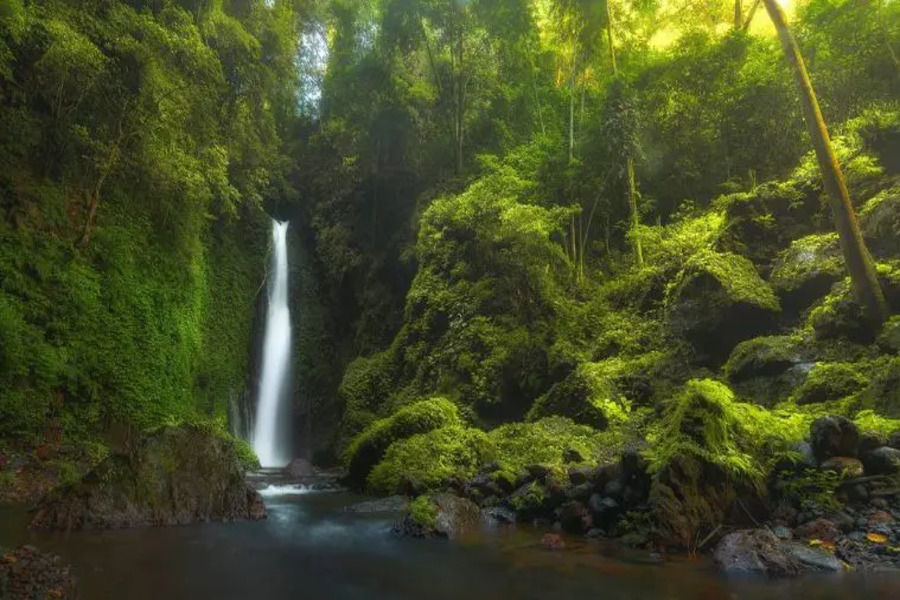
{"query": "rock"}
[(449, 517), (718, 301), (614, 489), (603, 508), (580, 492), (481, 486), (889, 339), (806, 270), (842, 521), (574, 517), (782, 532), (753, 552), (817, 529), (176, 476), (595, 534), (581, 474), (812, 558), (879, 220), (498, 515), (381, 505), (300, 467), (847, 468), (761, 552), (572, 455), (538, 471), (553, 541), (530, 501), (894, 440), (766, 369), (829, 381), (834, 436), (26, 574), (870, 440), (880, 517), (882, 461)]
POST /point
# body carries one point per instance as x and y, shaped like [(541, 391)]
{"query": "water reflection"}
[(310, 548)]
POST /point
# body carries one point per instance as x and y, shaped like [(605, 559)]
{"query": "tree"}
[(856, 255)]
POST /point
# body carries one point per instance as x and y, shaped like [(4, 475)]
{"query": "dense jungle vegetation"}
[(525, 232)]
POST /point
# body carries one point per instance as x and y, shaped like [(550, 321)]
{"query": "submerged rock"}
[(176, 476), (761, 552), (381, 505), (26, 574)]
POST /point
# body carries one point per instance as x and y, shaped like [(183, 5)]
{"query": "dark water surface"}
[(310, 548)]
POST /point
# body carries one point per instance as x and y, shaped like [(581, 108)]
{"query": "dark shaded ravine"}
[(311, 548)]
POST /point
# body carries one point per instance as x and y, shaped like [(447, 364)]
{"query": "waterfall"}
[(270, 436)]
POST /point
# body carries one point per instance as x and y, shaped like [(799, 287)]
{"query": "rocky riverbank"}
[(28, 574)]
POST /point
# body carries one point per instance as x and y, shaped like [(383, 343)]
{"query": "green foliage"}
[(547, 440), (597, 394), (368, 448), (735, 274), (423, 512), (830, 381), (431, 460), (809, 257), (706, 423), (815, 488), (762, 356)]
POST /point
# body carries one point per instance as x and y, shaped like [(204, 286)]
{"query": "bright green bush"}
[(369, 447)]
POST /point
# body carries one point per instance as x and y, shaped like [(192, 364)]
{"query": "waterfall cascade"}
[(270, 436)]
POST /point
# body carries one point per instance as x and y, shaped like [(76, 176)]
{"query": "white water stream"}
[(270, 436)]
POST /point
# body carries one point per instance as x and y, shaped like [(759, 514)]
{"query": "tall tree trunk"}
[(572, 102), (537, 98), (753, 8), (738, 15), (856, 256), (629, 160)]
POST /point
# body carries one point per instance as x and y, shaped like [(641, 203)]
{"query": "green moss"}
[(763, 356), (809, 267), (364, 389), (736, 275), (368, 448), (529, 499), (830, 381), (883, 392), (706, 422), (432, 460), (423, 513), (546, 441)]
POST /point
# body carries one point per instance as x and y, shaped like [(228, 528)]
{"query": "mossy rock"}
[(840, 316), (173, 476), (883, 393), (431, 461), (719, 300), (889, 338), (550, 440), (806, 271), (368, 448), (765, 370), (366, 386), (760, 223), (599, 393), (440, 515), (879, 221), (830, 381)]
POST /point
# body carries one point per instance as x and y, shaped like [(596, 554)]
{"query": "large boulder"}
[(440, 515), (805, 271), (761, 552), (834, 435), (830, 381), (765, 370), (175, 476), (719, 300), (369, 447), (879, 221), (882, 461)]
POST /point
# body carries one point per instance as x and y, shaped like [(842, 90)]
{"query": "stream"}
[(311, 548)]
